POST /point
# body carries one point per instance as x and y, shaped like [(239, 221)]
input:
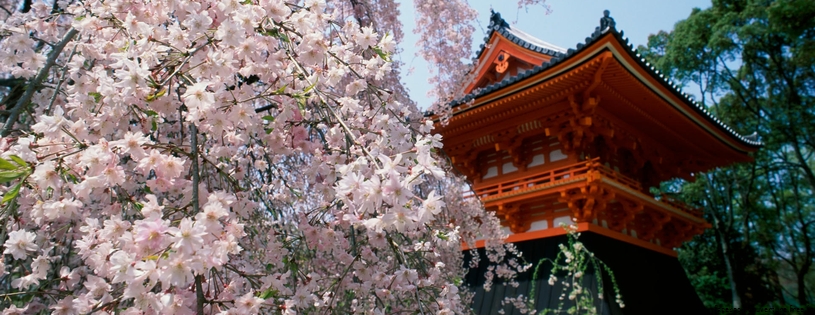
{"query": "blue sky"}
[(570, 22)]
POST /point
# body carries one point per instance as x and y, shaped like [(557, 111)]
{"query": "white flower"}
[(132, 144), (19, 243), (46, 175), (431, 206), (199, 100), (25, 282), (188, 236), (367, 37), (248, 304), (50, 125)]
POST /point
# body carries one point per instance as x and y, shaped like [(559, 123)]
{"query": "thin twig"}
[(59, 83)]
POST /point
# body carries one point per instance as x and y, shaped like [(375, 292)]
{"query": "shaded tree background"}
[(753, 63)]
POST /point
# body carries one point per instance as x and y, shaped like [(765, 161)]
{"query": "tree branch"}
[(32, 86), (199, 290)]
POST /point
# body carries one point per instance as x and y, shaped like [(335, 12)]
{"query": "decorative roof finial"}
[(752, 137), (607, 21), (496, 22)]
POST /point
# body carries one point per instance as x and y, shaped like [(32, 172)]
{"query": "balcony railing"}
[(565, 174), (554, 176)]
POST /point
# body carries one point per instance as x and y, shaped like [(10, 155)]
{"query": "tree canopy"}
[(753, 64)]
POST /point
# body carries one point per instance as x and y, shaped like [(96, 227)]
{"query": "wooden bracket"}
[(652, 225), (514, 217), (606, 59), (623, 213), (586, 202)]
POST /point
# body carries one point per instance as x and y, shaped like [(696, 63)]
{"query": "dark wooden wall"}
[(650, 282)]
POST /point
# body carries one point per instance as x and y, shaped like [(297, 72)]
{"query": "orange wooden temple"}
[(548, 135)]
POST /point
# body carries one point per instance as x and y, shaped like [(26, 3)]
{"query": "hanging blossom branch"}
[(445, 31), (573, 262), (445, 40), (226, 157), (34, 85)]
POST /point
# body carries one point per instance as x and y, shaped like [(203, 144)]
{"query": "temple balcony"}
[(589, 192)]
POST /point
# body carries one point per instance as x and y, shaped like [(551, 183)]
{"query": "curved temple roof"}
[(499, 25)]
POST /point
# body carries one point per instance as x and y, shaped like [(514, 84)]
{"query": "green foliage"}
[(12, 170), (753, 64)]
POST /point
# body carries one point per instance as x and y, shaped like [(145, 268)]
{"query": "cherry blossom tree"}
[(229, 157)]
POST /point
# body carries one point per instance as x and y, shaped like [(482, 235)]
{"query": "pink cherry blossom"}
[(262, 154), (20, 243)]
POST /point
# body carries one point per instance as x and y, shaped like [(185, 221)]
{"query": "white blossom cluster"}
[(224, 157)]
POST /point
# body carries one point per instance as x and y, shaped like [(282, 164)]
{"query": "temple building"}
[(548, 136)]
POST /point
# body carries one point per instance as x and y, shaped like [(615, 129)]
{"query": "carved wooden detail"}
[(622, 213), (514, 217), (587, 202)]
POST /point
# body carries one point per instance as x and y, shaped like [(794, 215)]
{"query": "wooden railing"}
[(572, 171), (555, 175), (617, 176)]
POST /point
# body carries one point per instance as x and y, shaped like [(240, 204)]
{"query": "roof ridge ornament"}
[(496, 22), (606, 22), (752, 137)]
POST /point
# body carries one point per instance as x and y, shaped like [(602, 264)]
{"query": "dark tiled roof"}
[(501, 26)]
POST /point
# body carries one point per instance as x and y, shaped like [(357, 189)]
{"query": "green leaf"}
[(270, 118), (7, 176), (154, 126), (276, 33), (72, 178), (442, 236), (268, 293), (280, 90), (311, 87), (151, 113), (154, 96), (96, 96), (12, 193), (6, 165), (381, 53), (18, 160)]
